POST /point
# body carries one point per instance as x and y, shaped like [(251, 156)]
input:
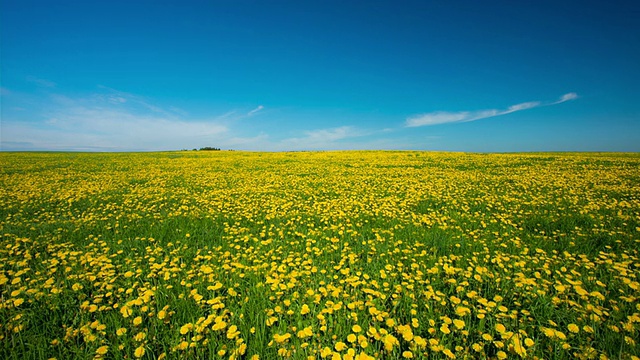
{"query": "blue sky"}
[(296, 75)]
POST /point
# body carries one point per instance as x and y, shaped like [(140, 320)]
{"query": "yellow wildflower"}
[(139, 351), (573, 328)]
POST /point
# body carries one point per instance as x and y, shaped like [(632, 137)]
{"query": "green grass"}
[(390, 241)]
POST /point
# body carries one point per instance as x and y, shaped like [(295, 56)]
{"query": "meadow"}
[(319, 255)]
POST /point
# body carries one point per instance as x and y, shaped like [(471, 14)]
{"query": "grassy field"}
[(333, 255)]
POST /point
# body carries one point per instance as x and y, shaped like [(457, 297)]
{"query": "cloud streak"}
[(41, 82), (445, 117), (320, 138), (82, 128), (567, 97), (252, 112), (112, 121)]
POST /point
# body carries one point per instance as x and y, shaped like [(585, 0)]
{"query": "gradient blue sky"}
[(296, 75)]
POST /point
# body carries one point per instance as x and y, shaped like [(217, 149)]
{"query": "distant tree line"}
[(206, 148)]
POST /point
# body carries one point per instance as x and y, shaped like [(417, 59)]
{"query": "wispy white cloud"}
[(444, 117), (258, 142), (567, 97), (226, 116), (109, 122), (41, 82), (320, 138), (252, 112), (120, 97), (329, 135), (81, 128), (112, 120)]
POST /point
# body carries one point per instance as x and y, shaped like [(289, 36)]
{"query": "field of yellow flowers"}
[(319, 255)]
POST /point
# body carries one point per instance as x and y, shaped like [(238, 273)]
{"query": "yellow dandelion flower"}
[(389, 342), (356, 328), (241, 350), (139, 351), (182, 346), (270, 321), (407, 354), (219, 325), (305, 309), (462, 311), (308, 331), (560, 335), (214, 287), (588, 329), (459, 324), (573, 328), (102, 350), (372, 331), (232, 332), (449, 354), (121, 331), (517, 346), (125, 311), (185, 328), (340, 346), (281, 338), (548, 332), (325, 352), (137, 321)]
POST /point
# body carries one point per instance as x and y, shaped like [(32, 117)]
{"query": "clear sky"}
[(304, 75)]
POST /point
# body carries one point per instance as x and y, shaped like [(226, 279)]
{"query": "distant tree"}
[(208, 148)]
